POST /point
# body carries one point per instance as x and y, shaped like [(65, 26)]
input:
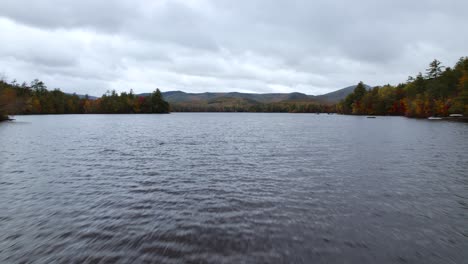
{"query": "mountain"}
[(182, 97), (179, 97), (338, 95), (244, 102)]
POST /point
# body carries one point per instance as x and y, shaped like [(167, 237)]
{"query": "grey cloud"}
[(106, 15), (197, 45)]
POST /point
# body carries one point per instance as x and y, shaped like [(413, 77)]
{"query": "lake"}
[(233, 188)]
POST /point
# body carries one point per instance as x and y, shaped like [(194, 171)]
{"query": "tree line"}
[(240, 106), (439, 92), (37, 99)]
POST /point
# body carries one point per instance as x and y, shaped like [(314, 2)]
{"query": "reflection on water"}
[(233, 188)]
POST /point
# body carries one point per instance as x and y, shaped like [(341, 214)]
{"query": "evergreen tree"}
[(434, 70), (359, 91), (158, 105)]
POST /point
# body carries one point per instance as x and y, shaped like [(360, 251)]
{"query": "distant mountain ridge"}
[(338, 95), (179, 96), (183, 97)]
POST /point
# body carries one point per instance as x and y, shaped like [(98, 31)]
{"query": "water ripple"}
[(232, 188)]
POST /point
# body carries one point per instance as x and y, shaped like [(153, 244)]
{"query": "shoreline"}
[(447, 118)]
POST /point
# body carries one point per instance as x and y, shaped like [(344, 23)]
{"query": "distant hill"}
[(244, 102), (338, 95), (182, 97), (179, 97)]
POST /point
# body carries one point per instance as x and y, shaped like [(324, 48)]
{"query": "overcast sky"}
[(314, 47)]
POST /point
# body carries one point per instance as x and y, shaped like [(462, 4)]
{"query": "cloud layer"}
[(313, 47)]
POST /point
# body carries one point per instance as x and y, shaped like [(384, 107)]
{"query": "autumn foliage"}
[(442, 91), (37, 99)]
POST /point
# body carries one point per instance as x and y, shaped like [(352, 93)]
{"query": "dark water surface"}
[(233, 188)]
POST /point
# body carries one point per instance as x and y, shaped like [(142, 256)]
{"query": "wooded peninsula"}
[(440, 92)]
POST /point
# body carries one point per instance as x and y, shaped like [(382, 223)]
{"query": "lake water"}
[(233, 188)]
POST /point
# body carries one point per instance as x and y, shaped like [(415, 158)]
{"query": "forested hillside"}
[(338, 95), (182, 97), (439, 92), (231, 104), (246, 102)]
